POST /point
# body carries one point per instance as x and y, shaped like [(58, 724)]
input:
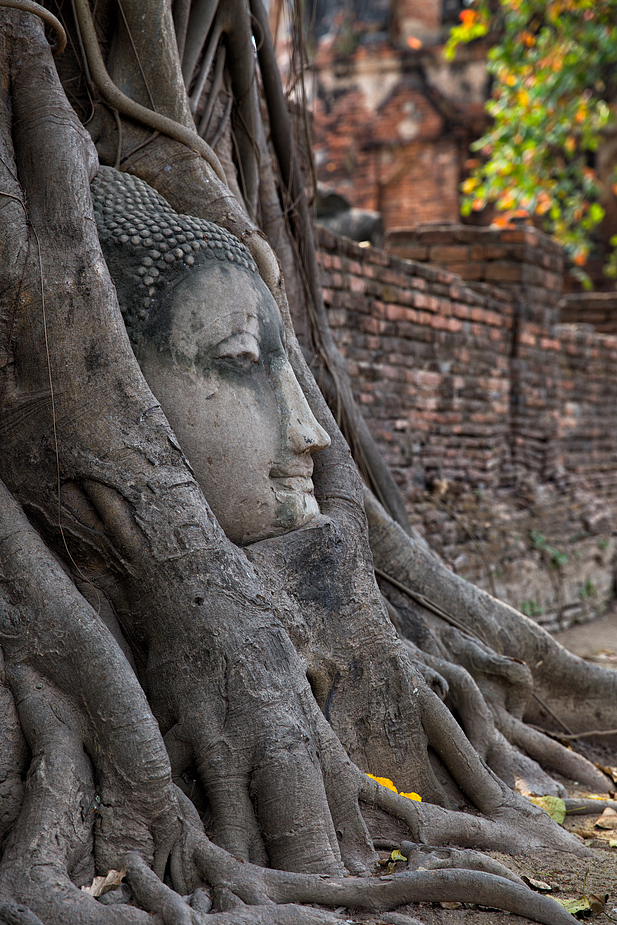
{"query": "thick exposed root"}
[(13, 757), (582, 806), (579, 695), (446, 858), (397, 918), (216, 655), (157, 898), (287, 914), (519, 771), (467, 704), (376, 894), (515, 825), (13, 913), (57, 716), (551, 754), (52, 841)]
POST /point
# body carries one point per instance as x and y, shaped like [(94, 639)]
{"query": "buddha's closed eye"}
[(240, 350)]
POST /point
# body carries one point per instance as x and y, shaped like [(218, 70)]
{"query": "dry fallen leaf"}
[(592, 835), (597, 903), (588, 906), (609, 770), (608, 819), (101, 885), (537, 885)]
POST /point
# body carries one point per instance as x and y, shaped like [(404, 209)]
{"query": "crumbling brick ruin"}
[(494, 404)]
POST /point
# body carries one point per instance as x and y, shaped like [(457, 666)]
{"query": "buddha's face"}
[(220, 371)]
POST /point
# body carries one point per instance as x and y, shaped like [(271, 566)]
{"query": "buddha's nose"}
[(302, 431)]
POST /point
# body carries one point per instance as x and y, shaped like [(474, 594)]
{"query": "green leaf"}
[(574, 906), (397, 856), (554, 806)]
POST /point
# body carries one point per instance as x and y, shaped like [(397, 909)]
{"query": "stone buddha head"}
[(210, 341)]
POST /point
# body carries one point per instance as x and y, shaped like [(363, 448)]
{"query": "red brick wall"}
[(588, 410), (430, 360), (595, 308), (529, 265), (475, 383), (392, 157), (419, 182), (500, 424), (425, 12)]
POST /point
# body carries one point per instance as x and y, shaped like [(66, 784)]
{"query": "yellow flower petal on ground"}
[(384, 781), (412, 796)]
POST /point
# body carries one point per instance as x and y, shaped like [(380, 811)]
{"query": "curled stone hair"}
[(148, 246)]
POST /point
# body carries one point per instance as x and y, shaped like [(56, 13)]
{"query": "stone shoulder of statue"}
[(210, 341)]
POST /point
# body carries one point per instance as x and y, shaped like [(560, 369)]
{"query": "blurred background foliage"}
[(554, 89)]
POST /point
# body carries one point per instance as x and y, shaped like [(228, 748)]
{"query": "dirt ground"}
[(596, 640), (569, 877)]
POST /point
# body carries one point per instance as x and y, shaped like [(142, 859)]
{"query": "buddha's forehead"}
[(213, 303)]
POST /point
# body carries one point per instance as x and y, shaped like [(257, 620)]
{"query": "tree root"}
[(55, 738), (377, 894), (551, 754), (122, 103), (489, 639), (220, 670), (582, 806), (397, 918), (15, 914), (157, 898), (287, 914), (446, 858), (506, 687)]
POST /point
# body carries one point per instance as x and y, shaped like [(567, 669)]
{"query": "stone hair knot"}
[(147, 244)]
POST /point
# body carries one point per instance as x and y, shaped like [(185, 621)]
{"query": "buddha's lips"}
[(293, 483)]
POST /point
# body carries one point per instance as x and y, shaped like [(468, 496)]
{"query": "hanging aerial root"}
[(128, 107), (29, 6)]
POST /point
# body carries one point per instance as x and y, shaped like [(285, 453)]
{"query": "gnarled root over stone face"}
[(219, 670)]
